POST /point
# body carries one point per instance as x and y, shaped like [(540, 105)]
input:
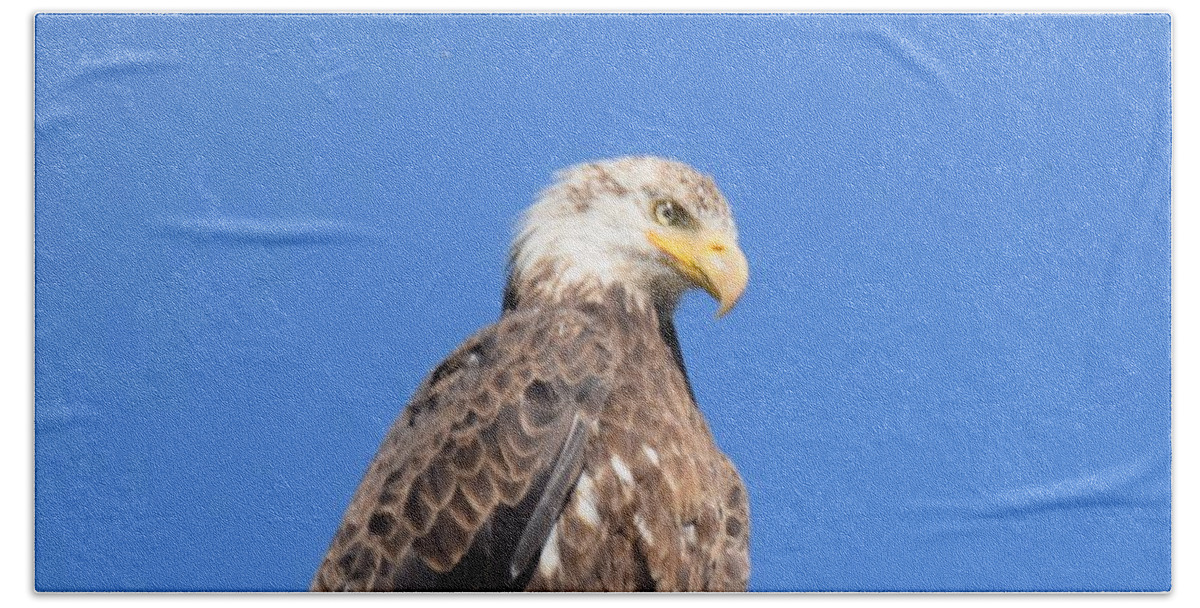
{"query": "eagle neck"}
[(546, 287), (632, 310), (665, 313)]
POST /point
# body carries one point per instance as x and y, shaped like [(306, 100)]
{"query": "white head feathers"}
[(589, 229)]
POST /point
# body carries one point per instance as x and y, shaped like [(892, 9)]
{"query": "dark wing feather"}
[(551, 500), (469, 480)]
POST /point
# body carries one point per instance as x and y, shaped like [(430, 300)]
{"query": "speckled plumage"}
[(560, 448)]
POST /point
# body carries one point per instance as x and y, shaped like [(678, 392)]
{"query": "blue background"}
[(255, 234)]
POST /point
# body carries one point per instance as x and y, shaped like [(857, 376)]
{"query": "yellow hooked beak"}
[(711, 260)]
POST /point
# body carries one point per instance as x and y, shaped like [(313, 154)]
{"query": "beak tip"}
[(724, 308)]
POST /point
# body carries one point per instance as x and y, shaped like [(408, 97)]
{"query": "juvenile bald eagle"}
[(561, 448)]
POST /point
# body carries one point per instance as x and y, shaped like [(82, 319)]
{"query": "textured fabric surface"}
[(256, 234)]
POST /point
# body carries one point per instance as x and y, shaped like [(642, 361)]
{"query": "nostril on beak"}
[(717, 248)]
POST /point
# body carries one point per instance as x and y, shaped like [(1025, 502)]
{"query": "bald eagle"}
[(562, 448)]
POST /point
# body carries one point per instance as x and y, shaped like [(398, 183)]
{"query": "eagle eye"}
[(667, 212)]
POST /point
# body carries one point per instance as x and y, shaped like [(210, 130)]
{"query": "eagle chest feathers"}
[(559, 449)]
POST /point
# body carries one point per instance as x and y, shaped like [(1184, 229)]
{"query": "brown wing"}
[(471, 477)]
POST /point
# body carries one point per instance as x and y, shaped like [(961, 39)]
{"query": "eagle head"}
[(654, 226)]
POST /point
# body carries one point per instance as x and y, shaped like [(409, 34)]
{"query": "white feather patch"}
[(642, 528), (689, 534), (621, 469), (549, 560), (650, 453), (585, 501)]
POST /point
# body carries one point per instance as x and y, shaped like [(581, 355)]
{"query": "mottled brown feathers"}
[(478, 432), (650, 502), (583, 184)]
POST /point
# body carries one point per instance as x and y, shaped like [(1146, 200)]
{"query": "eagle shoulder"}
[(472, 475)]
